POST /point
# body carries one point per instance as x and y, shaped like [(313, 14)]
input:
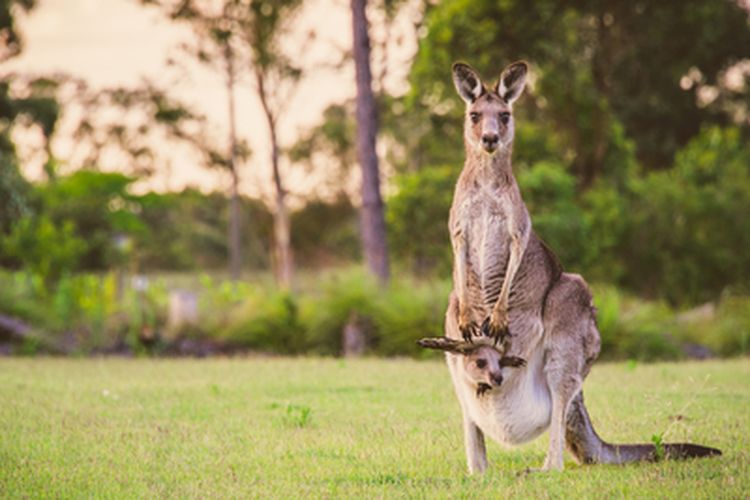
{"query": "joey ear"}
[(445, 344), (467, 81), (512, 81)]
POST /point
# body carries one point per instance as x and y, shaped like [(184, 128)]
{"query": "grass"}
[(281, 427)]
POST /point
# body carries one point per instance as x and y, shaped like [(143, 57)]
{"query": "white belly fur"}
[(517, 411)]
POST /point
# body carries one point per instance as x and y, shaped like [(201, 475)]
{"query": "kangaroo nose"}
[(490, 140), (497, 378)]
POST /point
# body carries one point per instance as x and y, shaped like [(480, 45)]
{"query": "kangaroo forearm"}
[(517, 247), (460, 249)]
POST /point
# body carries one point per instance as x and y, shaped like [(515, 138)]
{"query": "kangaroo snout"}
[(497, 378), (490, 141)]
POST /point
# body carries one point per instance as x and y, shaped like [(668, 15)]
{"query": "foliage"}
[(549, 192), (687, 231), (328, 149), (43, 248), (127, 128), (417, 219), (9, 34), (98, 206), (266, 322), (341, 299), (13, 192), (187, 230), (727, 331), (391, 319), (33, 108), (634, 329), (83, 313), (325, 233), (596, 64), (90, 313), (90, 220)]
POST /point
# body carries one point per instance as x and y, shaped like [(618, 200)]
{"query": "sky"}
[(119, 42)]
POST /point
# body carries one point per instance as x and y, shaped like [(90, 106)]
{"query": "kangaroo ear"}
[(512, 81), (445, 344), (467, 82)]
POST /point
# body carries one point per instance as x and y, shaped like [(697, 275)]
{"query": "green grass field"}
[(286, 428)]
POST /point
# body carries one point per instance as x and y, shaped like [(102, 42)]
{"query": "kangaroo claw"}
[(468, 331), (493, 330)]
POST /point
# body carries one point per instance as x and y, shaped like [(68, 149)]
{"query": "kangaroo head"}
[(482, 361), (488, 125)]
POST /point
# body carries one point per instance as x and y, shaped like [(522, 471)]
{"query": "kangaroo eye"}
[(504, 118), (481, 363), (474, 117)]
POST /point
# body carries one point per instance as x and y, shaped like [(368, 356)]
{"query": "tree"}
[(10, 38), (373, 229), (217, 36), (264, 24), (248, 34), (13, 186), (328, 148)]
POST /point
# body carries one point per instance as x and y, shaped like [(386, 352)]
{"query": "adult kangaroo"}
[(521, 334)]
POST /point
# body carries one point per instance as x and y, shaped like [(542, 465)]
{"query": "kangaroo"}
[(520, 334)]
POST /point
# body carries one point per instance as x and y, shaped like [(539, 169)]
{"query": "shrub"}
[(417, 219), (725, 329), (633, 329), (392, 319), (550, 195), (687, 227), (44, 248), (408, 311), (342, 296), (266, 322)]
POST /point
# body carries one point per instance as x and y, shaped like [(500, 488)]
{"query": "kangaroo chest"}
[(482, 217)]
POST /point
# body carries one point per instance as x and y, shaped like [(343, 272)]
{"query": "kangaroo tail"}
[(589, 448)]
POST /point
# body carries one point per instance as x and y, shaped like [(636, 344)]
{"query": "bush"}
[(633, 329), (44, 248), (344, 296), (392, 319), (688, 231), (418, 219), (725, 329), (550, 195), (266, 322), (408, 311)]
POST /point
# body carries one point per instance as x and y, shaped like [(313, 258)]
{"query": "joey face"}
[(488, 125), (483, 367), (481, 359)]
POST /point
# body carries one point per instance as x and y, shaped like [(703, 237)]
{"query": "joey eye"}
[(504, 117), (481, 363), (474, 117)]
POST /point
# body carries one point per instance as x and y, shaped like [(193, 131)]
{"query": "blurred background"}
[(184, 177)]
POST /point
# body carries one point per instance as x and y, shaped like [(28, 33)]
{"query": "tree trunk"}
[(283, 257), (235, 258), (373, 233)]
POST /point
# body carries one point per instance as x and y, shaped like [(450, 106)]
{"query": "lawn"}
[(307, 427)]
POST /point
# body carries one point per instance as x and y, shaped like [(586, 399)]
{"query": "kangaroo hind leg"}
[(570, 347)]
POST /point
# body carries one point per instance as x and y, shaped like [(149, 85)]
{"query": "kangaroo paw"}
[(495, 329), (468, 330)]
